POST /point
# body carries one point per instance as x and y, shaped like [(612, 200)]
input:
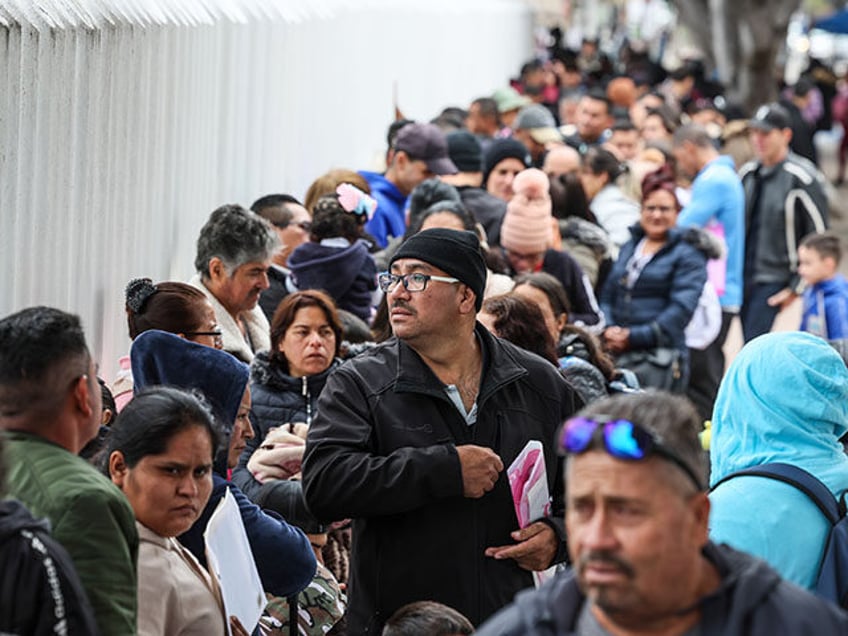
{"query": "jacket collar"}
[(499, 368)]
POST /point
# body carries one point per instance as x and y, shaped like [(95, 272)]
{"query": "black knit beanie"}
[(504, 149), (456, 252)]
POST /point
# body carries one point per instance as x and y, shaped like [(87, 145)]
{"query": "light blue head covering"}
[(783, 399)]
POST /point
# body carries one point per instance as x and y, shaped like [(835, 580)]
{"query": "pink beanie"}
[(526, 227)]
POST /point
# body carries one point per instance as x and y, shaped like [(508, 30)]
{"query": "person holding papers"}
[(411, 439), (160, 455)]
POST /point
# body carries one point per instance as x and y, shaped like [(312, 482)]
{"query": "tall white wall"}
[(123, 124)]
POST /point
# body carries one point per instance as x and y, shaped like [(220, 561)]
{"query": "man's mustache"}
[(402, 304), (603, 557)]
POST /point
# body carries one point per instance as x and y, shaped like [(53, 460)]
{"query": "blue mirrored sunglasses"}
[(622, 439)]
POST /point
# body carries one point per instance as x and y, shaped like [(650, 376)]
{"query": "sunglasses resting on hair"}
[(622, 439)]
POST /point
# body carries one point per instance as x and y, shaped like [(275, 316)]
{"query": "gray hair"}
[(236, 236), (671, 417), (695, 134)]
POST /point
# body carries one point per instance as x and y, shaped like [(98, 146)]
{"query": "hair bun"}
[(137, 292)]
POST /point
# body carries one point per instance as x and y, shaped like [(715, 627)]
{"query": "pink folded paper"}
[(528, 481)]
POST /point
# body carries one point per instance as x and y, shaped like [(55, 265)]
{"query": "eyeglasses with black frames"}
[(415, 282)]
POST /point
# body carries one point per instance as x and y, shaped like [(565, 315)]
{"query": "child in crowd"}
[(336, 258), (825, 311)]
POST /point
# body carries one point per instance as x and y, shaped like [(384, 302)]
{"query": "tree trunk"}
[(740, 39)]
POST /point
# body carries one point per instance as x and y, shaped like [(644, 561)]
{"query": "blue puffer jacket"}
[(277, 399), (784, 399), (664, 297)]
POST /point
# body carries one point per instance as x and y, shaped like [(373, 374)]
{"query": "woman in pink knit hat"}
[(527, 239)]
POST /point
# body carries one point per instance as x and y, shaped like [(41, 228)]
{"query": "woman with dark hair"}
[(177, 308), (160, 455), (519, 321), (336, 257), (550, 296), (579, 355), (653, 290), (306, 336), (614, 211)]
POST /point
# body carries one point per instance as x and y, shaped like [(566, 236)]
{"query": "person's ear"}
[(82, 395), (118, 468), (468, 301), (401, 159), (699, 505), (561, 321), (105, 416), (217, 270)]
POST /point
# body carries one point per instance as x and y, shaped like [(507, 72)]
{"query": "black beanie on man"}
[(454, 251)]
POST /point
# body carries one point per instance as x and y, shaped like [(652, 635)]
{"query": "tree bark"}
[(741, 40)]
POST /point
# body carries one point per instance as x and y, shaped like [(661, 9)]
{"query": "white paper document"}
[(231, 563)]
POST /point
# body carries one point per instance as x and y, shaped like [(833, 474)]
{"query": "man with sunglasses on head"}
[(637, 521), (411, 441)]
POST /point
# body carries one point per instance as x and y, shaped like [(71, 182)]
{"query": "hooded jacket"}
[(825, 311), (40, 592), (751, 600), (382, 450), (347, 274), (783, 399), (283, 555), (388, 219)]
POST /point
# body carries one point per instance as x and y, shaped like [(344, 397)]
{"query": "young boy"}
[(825, 310)]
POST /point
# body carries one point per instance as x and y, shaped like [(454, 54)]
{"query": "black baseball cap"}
[(427, 143), (770, 116)]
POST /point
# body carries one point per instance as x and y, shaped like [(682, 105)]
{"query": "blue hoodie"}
[(389, 217), (784, 399), (826, 308), (717, 196)]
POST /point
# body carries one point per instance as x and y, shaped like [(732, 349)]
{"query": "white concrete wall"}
[(123, 124)]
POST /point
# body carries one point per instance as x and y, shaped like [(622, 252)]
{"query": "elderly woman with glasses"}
[(653, 290)]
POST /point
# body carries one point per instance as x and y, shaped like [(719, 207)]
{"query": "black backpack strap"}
[(818, 493)]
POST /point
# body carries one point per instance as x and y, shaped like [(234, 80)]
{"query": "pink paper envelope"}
[(528, 481)]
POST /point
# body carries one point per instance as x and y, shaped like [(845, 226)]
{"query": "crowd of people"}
[(554, 267)]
